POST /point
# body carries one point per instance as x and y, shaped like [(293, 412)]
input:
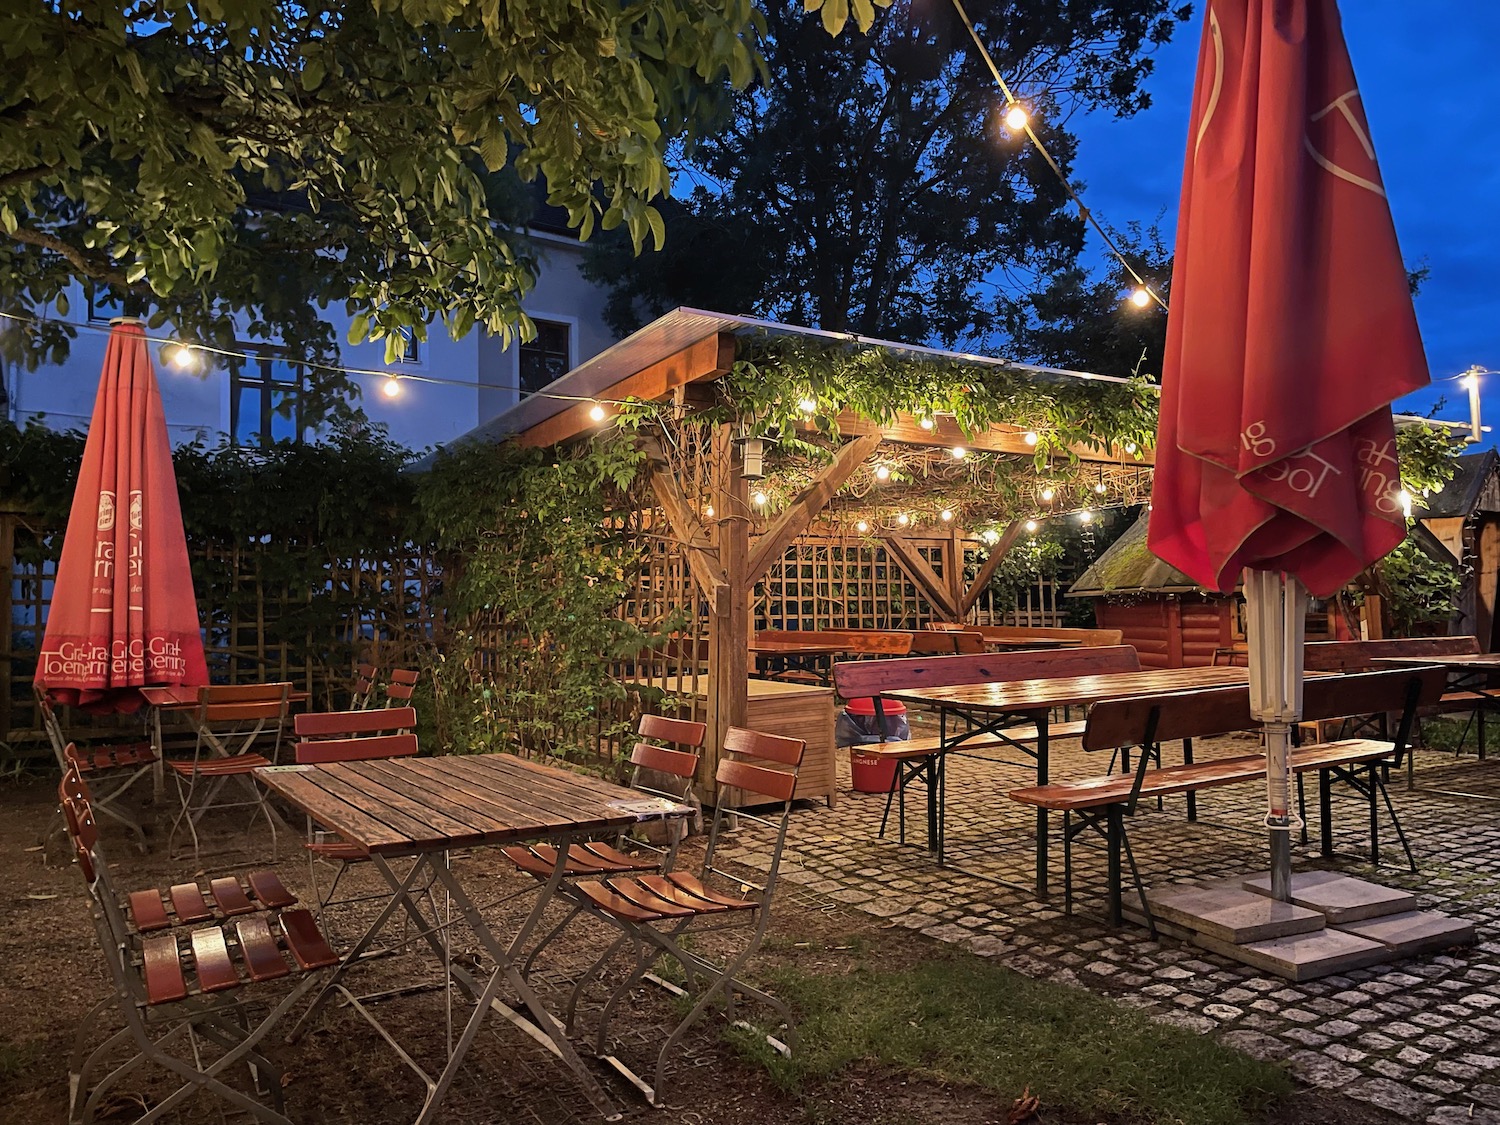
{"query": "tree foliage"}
[(236, 166), (868, 185)]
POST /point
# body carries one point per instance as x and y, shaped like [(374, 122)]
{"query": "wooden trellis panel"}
[(845, 583)]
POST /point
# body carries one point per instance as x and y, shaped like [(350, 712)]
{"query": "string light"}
[(178, 355), (1047, 495), (1015, 107), (991, 536), (391, 387), (1100, 488), (1130, 447), (1085, 516), (903, 519), (1406, 502), (760, 499), (927, 423), (708, 511), (1031, 525), (596, 413), (862, 527), (1031, 437), (1141, 297), (808, 406), (946, 515), (1016, 117), (959, 452), (882, 472)]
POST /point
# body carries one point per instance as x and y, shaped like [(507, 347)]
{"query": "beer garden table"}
[(422, 808)]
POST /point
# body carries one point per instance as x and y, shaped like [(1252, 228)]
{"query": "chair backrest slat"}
[(678, 763), (345, 724), (763, 781), (356, 749), (757, 744), (681, 732), (241, 712), (244, 693), (401, 684)]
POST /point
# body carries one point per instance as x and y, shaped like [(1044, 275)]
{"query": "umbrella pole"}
[(1276, 610)]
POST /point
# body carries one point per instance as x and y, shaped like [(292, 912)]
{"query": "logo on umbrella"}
[(1330, 145), (135, 510), (106, 511)]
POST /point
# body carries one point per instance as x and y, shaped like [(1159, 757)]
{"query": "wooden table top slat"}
[(442, 775), (430, 810), (303, 788), (1069, 691), (550, 778), (1475, 661), (505, 778), (474, 812), (350, 782)]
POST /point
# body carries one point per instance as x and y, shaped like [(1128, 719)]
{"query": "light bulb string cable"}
[(1083, 210)]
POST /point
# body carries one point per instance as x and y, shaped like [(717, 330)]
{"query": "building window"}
[(410, 350), (104, 305), (548, 357), (265, 401)]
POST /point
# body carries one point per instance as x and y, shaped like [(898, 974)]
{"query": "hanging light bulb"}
[(1047, 495), (991, 536), (1141, 297), (1031, 437), (959, 452), (1016, 117), (1100, 488), (596, 413), (882, 472), (946, 515), (903, 519), (1130, 447), (808, 406), (708, 511), (1031, 525), (927, 423), (862, 527), (391, 388), (1405, 498), (760, 499), (1085, 516), (179, 356)]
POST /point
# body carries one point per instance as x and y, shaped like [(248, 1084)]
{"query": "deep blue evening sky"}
[(1429, 74)]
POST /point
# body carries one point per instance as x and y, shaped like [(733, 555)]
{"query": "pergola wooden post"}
[(729, 612)]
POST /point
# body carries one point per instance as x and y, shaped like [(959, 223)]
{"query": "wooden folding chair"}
[(399, 688), (658, 914), (230, 721), (111, 769), (348, 736), (364, 687), (191, 998), (659, 772)]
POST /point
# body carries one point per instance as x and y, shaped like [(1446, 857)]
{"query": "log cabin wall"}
[(1170, 630)]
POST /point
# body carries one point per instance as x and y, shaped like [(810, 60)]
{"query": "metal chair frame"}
[(113, 769)]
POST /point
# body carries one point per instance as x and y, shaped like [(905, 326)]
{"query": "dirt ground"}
[(51, 974)]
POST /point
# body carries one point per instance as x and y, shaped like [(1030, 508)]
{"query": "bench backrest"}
[(1145, 719), (1088, 638), (1356, 656), (859, 679), (949, 642), (871, 642)]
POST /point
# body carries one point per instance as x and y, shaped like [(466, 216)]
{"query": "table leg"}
[(506, 972), (935, 810), (1042, 720)]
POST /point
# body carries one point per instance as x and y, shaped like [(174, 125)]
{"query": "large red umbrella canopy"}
[(123, 615), (1292, 326)]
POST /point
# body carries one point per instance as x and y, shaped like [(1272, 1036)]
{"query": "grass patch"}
[(959, 1019)]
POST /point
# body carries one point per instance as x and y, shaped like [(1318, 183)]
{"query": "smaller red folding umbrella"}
[(123, 615), (1291, 331)]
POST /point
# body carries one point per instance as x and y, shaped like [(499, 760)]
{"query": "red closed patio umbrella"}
[(1290, 333), (123, 615)]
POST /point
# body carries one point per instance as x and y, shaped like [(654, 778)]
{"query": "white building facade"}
[(453, 385)]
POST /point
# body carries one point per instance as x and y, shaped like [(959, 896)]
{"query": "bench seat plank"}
[(1112, 789)]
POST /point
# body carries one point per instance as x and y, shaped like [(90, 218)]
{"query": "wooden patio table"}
[(1471, 673), (967, 711), (422, 808)]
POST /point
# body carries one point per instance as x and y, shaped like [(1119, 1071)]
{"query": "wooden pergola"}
[(675, 360)]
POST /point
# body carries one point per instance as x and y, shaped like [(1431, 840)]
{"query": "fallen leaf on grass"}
[(1024, 1108)]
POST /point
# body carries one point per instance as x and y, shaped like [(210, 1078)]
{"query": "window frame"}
[(537, 346), (264, 363)]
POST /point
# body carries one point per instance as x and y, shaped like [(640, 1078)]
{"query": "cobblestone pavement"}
[(1419, 1037)]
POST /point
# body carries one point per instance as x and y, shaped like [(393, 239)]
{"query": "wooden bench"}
[(914, 756), (852, 642), (1361, 656), (1102, 803), (947, 642)]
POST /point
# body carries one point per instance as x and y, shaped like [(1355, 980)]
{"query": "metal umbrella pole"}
[(1276, 611)]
